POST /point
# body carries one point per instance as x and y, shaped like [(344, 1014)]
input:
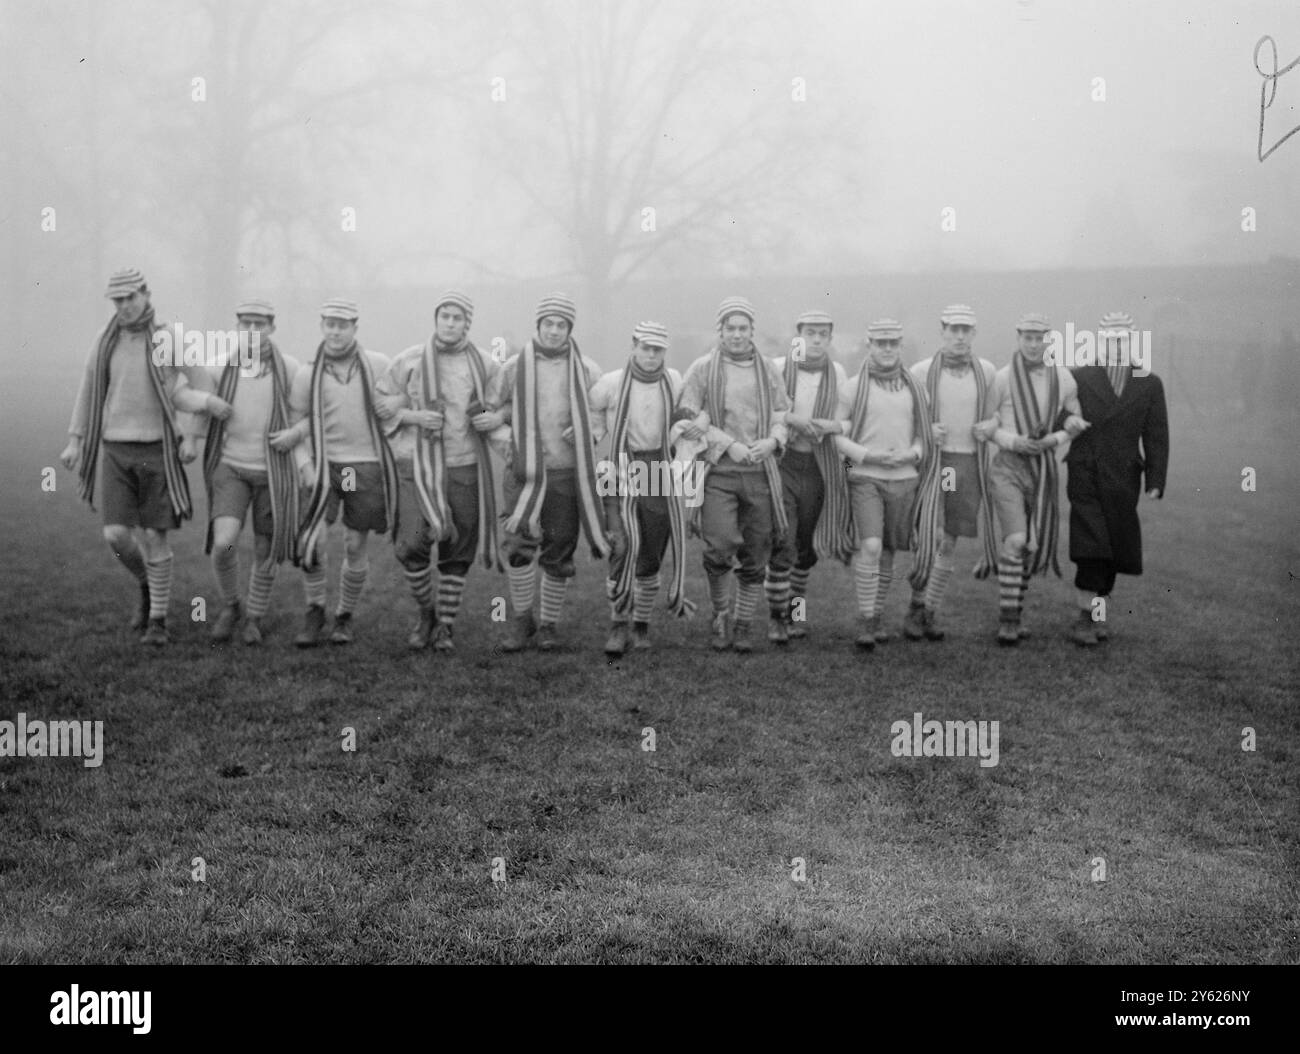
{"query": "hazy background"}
[(602, 110)]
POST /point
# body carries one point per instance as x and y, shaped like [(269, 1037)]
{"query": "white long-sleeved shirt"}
[(957, 397), (889, 427), (1006, 433), (242, 441), (347, 432), (554, 413), (740, 422), (645, 413), (804, 402)]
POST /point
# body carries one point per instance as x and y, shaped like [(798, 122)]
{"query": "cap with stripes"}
[(338, 307), (558, 304), (651, 334), (735, 305), (456, 299), (885, 329), (958, 315), (1117, 320), (813, 318), (1033, 322), (255, 305), (124, 283)]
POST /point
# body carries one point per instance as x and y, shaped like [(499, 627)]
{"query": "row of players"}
[(797, 462)]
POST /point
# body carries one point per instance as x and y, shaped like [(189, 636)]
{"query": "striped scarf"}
[(178, 486), (931, 522), (281, 475), (313, 520), (528, 450), (430, 459), (833, 537), (715, 403), (894, 379), (1044, 524), (678, 604)]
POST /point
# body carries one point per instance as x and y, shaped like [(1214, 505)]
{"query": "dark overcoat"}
[(1129, 438)]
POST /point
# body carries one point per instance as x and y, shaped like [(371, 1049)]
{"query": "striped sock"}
[(1024, 584), (644, 594), (313, 585), (451, 588), (940, 573), (553, 591), (777, 587), (720, 593), (523, 580), (1009, 578), (259, 589), (226, 565), (886, 580), (866, 582), (747, 594), (420, 582), (799, 582), (160, 585), (351, 582), (133, 560)]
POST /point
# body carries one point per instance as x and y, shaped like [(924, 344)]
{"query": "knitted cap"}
[(560, 304), (456, 299), (958, 315), (813, 318), (651, 334), (735, 305), (255, 305), (1117, 320), (337, 307), (1033, 322), (885, 329), (124, 283)]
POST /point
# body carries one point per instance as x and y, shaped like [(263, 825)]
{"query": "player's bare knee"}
[(118, 536), (948, 545), (870, 548), (1013, 546)]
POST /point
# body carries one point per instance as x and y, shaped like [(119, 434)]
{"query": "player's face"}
[(130, 308), (958, 338), (817, 336), (886, 352), (259, 324), (649, 356), (451, 324), (737, 333), (339, 333), (553, 332), (1033, 346)]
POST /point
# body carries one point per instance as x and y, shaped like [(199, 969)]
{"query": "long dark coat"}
[(1107, 465)]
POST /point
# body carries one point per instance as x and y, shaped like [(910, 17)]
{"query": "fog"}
[(648, 157)]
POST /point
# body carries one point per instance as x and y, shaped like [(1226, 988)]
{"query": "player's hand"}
[(698, 428), (307, 475), (1025, 445), (568, 434), (825, 426), (800, 424), (1076, 426), (939, 432), (189, 450), (894, 458), (488, 421), (219, 408), (71, 456), (762, 449), (740, 453), (429, 420), (1155, 493), (285, 439), (983, 430)]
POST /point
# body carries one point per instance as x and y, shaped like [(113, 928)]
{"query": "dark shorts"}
[(135, 486), (414, 543), (561, 521), (882, 508), (804, 493), (961, 505), (359, 487), (234, 489)]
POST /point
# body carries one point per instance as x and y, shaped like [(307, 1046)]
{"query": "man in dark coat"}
[(1129, 438)]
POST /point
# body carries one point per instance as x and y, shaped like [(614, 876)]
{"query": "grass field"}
[(685, 854)]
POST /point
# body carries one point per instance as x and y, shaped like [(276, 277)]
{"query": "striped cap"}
[(651, 334), (958, 315), (885, 329), (1117, 320), (456, 299), (813, 318), (124, 282), (1033, 322), (560, 304), (735, 305), (337, 307), (255, 305)]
